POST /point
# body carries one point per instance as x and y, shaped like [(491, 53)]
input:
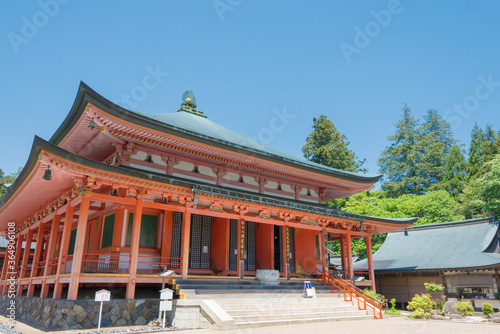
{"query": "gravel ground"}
[(6, 329)]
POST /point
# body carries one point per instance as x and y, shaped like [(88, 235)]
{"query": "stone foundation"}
[(57, 314)]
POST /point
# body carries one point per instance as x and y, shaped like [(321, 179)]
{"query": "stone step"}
[(243, 292), (295, 316), (251, 296), (280, 303), (286, 311), (252, 324)]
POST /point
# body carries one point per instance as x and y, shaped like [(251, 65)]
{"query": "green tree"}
[(455, 172), (476, 152), (437, 139), (471, 203), (489, 187), (431, 207), (6, 180), (327, 146), (400, 161)]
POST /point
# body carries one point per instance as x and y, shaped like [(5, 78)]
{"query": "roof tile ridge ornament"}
[(189, 104)]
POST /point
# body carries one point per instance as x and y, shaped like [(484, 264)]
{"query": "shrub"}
[(487, 309), (438, 305), (422, 302), (418, 314), (392, 310), (433, 287), (375, 295), (465, 309)]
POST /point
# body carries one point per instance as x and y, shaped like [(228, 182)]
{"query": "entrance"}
[(250, 253), (199, 243)]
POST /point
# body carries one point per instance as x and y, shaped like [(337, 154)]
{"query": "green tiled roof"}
[(462, 244)]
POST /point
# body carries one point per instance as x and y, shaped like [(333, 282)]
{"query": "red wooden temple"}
[(116, 196)]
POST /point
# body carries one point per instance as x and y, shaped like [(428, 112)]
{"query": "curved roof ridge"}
[(86, 94)]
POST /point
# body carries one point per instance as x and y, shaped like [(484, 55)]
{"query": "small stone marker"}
[(101, 296)]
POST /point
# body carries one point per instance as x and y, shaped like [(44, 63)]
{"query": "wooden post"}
[(369, 257), (36, 258), (241, 249), (50, 254), (4, 270), (76, 266), (19, 245), (186, 231), (324, 242), (286, 252), (24, 265), (134, 249), (166, 236), (349, 256), (63, 250), (343, 256)]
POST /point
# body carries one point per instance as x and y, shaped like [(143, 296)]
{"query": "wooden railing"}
[(110, 263), (349, 290)]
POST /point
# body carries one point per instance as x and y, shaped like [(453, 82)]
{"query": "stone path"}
[(394, 325)]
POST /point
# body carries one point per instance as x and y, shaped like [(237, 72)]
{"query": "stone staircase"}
[(249, 304)]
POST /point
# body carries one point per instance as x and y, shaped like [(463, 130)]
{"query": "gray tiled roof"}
[(462, 244), (206, 128)]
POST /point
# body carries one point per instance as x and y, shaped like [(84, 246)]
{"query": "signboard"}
[(242, 240), (165, 305), (102, 296), (166, 294), (308, 288)]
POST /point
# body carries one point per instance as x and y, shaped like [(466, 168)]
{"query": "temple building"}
[(116, 196), (463, 256)]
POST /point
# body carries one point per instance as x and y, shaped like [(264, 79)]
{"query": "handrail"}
[(351, 290)]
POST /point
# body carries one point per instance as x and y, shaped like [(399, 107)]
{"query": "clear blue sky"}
[(355, 61)]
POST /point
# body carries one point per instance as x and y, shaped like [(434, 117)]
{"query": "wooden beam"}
[(186, 230), (349, 256), (76, 266), (36, 257), (63, 250), (24, 265), (369, 257), (50, 254), (134, 249)]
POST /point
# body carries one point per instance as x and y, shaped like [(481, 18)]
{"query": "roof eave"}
[(86, 94)]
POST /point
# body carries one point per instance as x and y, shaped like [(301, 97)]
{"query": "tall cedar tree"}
[(476, 152), (455, 172), (491, 145), (436, 139), (490, 187), (326, 146), (400, 162)]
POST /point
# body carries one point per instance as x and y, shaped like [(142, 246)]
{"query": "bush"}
[(433, 287), (375, 295), (465, 309), (487, 309), (422, 302), (418, 314), (392, 310)]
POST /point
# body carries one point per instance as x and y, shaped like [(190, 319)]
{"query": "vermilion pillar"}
[(369, 257), (63, 250), (4, 269), (166, 236), (36, 258), (342, 254), (134, 249), (324, 241), (286, 251), (26, 255), (186, 230), (349, 256), (241, 249), (19, 245), (76, 266), (50, 254)]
